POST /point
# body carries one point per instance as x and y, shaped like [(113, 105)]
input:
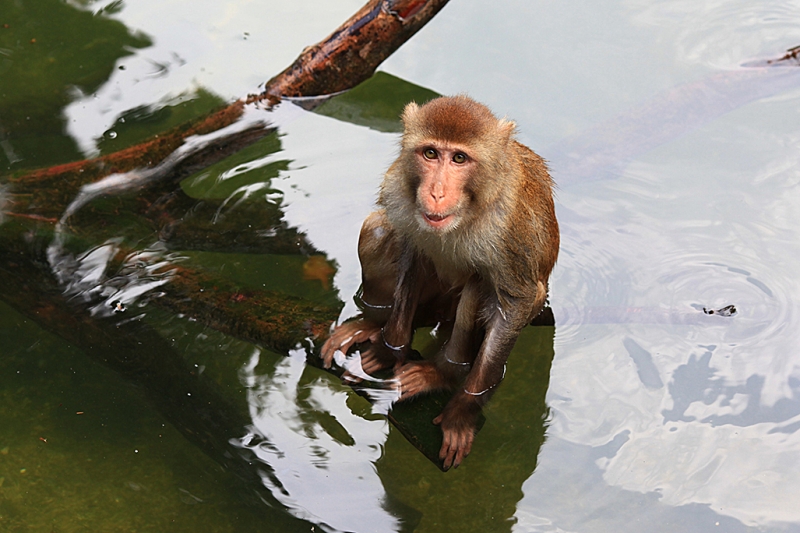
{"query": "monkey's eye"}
[(459, 158), (429, 153)]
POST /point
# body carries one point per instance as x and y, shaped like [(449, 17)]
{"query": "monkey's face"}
[(443, 172)]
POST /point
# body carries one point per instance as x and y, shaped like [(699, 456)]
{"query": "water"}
[(678, 176)]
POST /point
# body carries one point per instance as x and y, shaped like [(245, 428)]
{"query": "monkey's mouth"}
[(436, 221)]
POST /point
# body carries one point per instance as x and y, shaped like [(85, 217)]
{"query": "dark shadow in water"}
[(376, 103), (48, 49), (505, 454), (599, 152), (569, 471)]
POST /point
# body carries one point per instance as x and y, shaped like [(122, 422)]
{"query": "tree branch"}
[(351, 54)]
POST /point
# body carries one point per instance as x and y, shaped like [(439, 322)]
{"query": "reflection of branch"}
[(48, 192), (111, 273), (595, 153), (183, 223), (195, 145), (274, 320)]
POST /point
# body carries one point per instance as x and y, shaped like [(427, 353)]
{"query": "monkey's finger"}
[(326, 353), (461, 447), (334, 343), (459, 455), (406, 383), (371, 364), (412, 385), (447, 455), (445, 439), (346, 342), (351, 378), (444, 451), (464, 447), (449, 445)]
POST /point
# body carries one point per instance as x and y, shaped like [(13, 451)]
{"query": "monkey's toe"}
[(416, 378)]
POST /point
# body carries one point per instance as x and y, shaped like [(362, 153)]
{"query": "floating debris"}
[(317, 267), (728, 310)]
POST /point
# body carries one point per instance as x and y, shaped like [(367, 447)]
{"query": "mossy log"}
[(192, 403)]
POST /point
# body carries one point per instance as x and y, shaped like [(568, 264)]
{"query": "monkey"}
[(465, 235)]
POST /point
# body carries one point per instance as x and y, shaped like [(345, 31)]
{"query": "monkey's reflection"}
[(504, 453)]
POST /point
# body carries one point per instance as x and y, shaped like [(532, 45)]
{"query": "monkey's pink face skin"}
[(444, 170)]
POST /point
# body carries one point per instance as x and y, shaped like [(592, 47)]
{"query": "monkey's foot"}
[(458, 422), (456, 443), (346, 335), (418, 377)]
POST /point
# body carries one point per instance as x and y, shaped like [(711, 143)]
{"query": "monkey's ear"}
[(410, 113), (506, 129)]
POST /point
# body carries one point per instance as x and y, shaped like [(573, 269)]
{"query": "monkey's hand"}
[(458, 422), (418, 377), (346, 335), (373, 359)]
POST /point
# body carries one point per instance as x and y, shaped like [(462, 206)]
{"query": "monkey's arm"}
[(378, 252), (398, 331), (390, 336), (460, 415)]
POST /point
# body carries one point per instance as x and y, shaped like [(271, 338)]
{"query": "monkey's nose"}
[(437, 191)]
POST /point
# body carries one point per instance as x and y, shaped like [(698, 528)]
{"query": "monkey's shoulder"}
[(532, 165)]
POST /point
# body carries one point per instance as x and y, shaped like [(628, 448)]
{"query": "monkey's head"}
[(454, 153)]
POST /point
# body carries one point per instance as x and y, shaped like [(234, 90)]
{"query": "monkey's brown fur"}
[(466, 233)]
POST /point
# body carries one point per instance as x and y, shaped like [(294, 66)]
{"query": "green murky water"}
[(153, 372)]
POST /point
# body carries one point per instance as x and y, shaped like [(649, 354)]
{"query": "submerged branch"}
[(193, 403), (792, 56)]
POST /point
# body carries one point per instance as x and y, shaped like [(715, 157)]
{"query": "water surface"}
[(678, 172)]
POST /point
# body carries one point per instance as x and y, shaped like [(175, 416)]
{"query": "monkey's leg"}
[(455, 359), (378, 254), (459, 416)]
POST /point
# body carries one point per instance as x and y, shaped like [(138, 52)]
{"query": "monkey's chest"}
[(455, 260), (452, 270)]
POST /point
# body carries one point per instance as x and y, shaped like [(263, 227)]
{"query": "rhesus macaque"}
[(465, 236)]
